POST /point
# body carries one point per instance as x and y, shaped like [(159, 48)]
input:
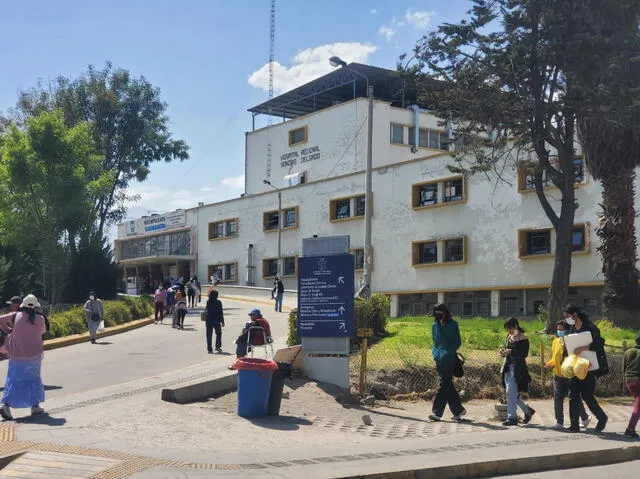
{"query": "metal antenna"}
[(272, 40)]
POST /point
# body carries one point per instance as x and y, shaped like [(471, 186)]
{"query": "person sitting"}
[(255, 337)]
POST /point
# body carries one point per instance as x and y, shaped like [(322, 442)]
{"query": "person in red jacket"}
[(256, 338)]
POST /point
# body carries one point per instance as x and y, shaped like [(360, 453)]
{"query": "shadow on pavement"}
[(103, 343), (43, 419), (281, 423)]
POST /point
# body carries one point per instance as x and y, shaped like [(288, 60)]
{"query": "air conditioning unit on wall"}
[(294, 179)]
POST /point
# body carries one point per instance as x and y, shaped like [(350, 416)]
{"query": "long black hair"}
[(513, 323), (573, 309), (31, 312), (441, 313)]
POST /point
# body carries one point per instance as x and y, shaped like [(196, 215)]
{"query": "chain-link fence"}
[(407, 370)]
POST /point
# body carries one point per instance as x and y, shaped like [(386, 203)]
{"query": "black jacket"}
[(597, 343), (215, 315), (278, 288), (519, 353)]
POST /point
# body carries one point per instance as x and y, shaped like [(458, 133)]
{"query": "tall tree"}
[(605, 72), (131, 129), (503, 88)]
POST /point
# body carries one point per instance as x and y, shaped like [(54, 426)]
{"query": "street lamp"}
[(278, 267), (365, 289)]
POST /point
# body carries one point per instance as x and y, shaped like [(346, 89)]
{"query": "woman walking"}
[(215, 321), (515, 374), (180, 310), (632, 377), (93, 314), (446, 342), (23, 346), (584, 388)]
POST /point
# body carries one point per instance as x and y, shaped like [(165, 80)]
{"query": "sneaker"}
[(573, 429), (585, 422), (602, 423), (631, 433), (528, 415), (510, 422), (210, 351), (36, 410), (435, 418), (458, 417), (218, 350), (93, 341), (557, 427), (5, 412)]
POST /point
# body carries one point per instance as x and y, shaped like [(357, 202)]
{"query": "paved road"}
[(624, 470), (144, 352)]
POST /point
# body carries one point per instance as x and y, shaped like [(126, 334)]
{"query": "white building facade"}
[(485, 248)]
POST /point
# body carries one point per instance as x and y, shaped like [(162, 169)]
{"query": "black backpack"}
[(602, 362)]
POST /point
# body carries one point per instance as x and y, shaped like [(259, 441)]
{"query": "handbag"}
[(458, 362), (203, 315), (603, 362)]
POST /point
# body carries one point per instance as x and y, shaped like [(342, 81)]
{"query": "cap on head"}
[(30, 301), (256, 312), (15, 300)]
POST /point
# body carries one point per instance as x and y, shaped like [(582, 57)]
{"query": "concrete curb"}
[(520, 465), (84, 337), (200, 390)]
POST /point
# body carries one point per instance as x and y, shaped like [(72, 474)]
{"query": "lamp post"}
[(365, 289), (278, 266)]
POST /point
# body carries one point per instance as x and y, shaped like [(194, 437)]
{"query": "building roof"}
[(341, 85)]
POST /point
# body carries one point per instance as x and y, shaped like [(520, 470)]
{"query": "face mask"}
[(561, 333), (92, 298), (570, 320)]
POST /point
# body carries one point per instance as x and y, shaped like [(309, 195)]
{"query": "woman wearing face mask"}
[(93, 313), (584, 388), (560, 383), (515, 374)]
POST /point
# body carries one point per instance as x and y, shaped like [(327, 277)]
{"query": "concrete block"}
[(202, 389)]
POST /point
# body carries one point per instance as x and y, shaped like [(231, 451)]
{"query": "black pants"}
[(210, 329), (583, 389), (180, 314), (447, 393), (191, 299)]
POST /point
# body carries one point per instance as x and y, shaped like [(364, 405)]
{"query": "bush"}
[(120, 311), (370, 312)]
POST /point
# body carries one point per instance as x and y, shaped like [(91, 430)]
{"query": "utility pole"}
[(366, 277), (279, 268)]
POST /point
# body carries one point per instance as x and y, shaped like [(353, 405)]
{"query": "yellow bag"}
[(567, 366), (581, 367)]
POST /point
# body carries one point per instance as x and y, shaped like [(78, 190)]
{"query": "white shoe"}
[(585, 423), (557, 427), (36, 410), (460, 416), (5, 412)]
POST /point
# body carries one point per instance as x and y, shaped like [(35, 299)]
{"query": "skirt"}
[(24, 386)]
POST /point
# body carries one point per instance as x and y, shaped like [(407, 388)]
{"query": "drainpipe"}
[(416, 125)]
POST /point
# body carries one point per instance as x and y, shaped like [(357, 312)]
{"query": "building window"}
[(538, 306), (539, 242), (226, 272), (173, 244), (433, 139), (297, 136), (484, 308), (467, 308), (358, 254), (526, 175), (427, 253), (289, 266), (397, 133), (223, 229), (346, 208), (454, 250), (579, 237), (444, 191), (269, 267), (289, 219), (509, 306), (591, 306)]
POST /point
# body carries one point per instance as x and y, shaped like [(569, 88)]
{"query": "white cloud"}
[(387, 32), (236, 182), (373, 11), (418, 19), (309, 64)]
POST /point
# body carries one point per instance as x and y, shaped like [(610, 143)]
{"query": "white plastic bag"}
[(101, 326)]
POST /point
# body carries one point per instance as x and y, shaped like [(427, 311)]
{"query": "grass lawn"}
[(409, 340)]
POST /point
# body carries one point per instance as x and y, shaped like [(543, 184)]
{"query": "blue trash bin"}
[(254, 383)]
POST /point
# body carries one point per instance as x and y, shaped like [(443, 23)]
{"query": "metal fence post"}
[(624, 349), (542, 361)]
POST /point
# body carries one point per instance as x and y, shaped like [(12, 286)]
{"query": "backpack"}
[(603, 362)]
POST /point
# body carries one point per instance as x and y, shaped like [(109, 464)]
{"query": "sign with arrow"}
[(325, 296)]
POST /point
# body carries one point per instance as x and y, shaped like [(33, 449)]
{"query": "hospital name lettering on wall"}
[(303, 156), (165, 221)]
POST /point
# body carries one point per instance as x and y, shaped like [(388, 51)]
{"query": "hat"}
[(15, 300), (30, 301), (256, 312)]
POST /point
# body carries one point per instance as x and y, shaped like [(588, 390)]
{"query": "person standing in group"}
[(191, 294), (180, 310), (631, 364), (560, 383), (446, 342), (14, 304), (198, 289), (160, 301), (278, 293), (584, 388), (24, 347), (515, 374), (93, 314), (214, 321)]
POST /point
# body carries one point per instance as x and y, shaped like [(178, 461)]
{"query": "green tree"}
[(131, 129), (502, 87)]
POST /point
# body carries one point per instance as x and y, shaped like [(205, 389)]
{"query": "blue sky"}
[(209, 58)]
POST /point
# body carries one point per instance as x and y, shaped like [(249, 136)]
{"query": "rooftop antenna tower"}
[(272, 39)]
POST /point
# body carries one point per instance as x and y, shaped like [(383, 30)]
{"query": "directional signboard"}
[(325, 296)]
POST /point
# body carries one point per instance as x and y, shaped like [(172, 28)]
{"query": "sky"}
[(209, 58)]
